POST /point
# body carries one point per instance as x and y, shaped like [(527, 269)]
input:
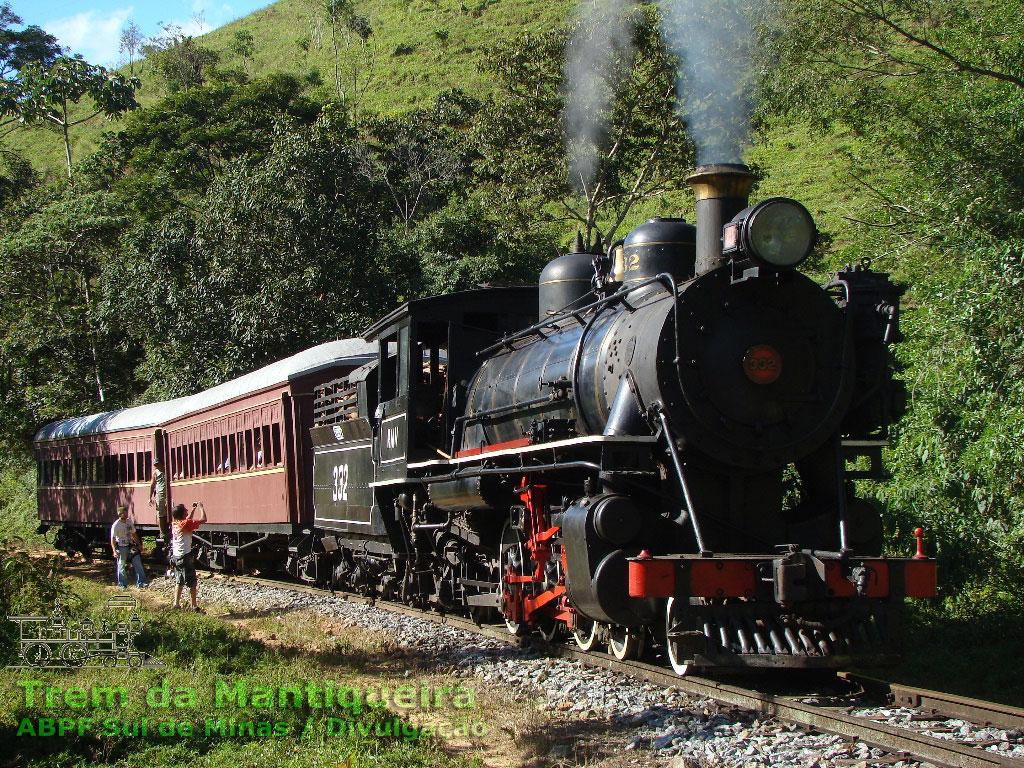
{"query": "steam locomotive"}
[(655, 446)]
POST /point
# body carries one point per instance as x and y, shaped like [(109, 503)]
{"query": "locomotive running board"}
[(568, 443)]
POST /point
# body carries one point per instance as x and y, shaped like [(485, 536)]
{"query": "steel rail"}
[(827, 719)]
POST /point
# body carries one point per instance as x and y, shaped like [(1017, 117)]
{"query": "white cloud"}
[(92, 34)]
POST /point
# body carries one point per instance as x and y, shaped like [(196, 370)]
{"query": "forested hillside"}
[(283, 180)]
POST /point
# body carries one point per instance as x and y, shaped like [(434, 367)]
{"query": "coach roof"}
[(353, 351)]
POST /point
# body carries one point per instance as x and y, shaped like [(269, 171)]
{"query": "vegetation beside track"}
[(204, 654)]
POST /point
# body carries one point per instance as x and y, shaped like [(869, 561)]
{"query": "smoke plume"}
[(601, 40), (712, 39)]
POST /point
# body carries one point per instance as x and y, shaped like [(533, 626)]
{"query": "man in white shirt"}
[(122, 537)]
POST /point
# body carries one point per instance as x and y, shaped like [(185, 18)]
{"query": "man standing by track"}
[(123, 541), (182, 526), (158, 496)]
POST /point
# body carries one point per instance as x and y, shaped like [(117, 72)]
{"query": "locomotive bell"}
[(722, 191), (566, 282), (659, 245)]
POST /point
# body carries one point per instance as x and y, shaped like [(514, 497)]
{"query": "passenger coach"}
[(239, 448)]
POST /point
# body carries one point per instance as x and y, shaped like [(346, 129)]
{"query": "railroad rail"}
[(830, 717)]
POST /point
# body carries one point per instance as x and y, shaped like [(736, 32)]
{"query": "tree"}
[(46, 93), (422, 157), (345, 24), (640, 150), (280, 254), (62, 358), (243, 45), (180, 60), (168, 154), (131, 42), (18, 48)]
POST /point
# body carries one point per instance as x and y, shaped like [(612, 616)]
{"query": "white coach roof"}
[(352, 351)]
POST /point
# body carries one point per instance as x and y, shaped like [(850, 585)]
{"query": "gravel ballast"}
[(661, 726)]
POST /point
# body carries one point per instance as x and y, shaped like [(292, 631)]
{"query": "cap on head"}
[(122, 510), (158, 462)]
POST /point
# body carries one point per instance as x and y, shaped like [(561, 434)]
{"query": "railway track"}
[(830, 713)]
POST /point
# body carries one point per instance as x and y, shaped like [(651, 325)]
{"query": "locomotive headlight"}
[(778, 233)]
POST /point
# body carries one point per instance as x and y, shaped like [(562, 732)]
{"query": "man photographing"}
[(184, 562)]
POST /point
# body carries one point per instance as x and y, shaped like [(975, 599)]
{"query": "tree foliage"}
[(46, 92), (280, 254), (60, 356), (939, 87), (175, 149), (183, 63), (640, 151)]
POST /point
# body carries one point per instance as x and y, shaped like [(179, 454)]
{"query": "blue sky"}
[(93, 27)]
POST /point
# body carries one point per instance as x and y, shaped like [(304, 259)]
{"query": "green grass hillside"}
[(420, 48), (417, 50)]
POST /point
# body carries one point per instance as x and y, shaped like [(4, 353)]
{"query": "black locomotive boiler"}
[(665, 456)]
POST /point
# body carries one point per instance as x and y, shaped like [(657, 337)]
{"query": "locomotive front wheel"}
[(678, 640), (626, 642), (586, 633)]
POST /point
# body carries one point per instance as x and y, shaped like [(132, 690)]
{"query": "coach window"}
[(147, 463), (275, 441), (248, 449), (268, 454)]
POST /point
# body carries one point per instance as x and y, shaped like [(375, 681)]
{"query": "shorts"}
[(184, 570)]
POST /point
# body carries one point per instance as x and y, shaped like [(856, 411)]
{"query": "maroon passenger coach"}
[(239, 448)]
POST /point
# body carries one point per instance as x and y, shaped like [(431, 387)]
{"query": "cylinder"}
[(722, 191)]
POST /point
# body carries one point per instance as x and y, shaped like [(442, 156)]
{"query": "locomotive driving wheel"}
[(549, 628), (626, 642), (512, 560), (586, 633)]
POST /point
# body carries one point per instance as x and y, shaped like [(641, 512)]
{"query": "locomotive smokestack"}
[(722, 191)]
